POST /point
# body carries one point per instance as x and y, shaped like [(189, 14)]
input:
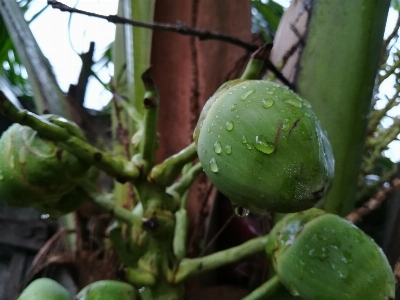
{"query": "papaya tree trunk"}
[(188, 71)]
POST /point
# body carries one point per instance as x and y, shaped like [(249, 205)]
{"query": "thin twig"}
[(220, 231), (181, 28), (178, 27), (373, 203)]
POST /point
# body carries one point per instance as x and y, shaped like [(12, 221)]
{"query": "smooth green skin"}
[(35, 171), (336, 75), (322, 256), (107, 290), (45, 288), (291, 178)]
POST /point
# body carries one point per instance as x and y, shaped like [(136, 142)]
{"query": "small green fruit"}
[(45, 288), (318, 255), (35, 170), (107, 290), (262, 146)]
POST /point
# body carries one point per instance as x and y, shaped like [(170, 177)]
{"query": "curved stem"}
[(178, 189), (119, 168), (104, 201), (149, 138), (191, 267), (256, 63), (166, 172), (267, 289)]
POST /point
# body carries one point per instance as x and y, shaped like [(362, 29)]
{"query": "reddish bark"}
[(188, 71)]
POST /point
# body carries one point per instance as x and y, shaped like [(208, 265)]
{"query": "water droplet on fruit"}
[(216, 116), (267, 103), (245, 95), (263, 146), (244, 140), (285, 125), (229, 125), (241, 212), (294, 102), (12, 162), (208, 130), (217, 147), (233, 107), (213, 165), (228, 149), (297, 113), (248, 146)]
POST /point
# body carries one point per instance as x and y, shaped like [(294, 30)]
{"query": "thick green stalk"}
[(178, 189), (336, 75), (47, 94), (266, 290), (256, 63), (148, 142), (192, 267), (166, 172)]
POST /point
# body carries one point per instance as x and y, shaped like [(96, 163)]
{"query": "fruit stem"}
[(256, 63), (266, 290), (119, 168), (103, 201), (166, 172), (178, 189), (149, 138), (191, 267), (180, 234)]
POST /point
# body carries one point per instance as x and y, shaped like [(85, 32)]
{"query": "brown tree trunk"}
[(188, 71)]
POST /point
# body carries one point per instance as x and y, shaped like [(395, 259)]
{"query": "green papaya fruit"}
[(262, 146), (35, 170), (107, 290), (45, 289), (317, 255)]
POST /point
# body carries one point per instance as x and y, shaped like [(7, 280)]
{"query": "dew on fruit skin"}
[(267, 103), (233, 107), (228, 149), (241, 212), (248, 146), (263, 146), (216, 116), (247, 94), (217, 147), (297, 113), (294, 102), (12, 162), (229, 125), (208, 130), (213, 165), (244, 140), (285, 125)]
